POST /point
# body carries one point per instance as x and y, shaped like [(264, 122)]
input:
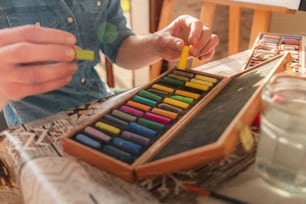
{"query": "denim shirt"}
[(97, 24)]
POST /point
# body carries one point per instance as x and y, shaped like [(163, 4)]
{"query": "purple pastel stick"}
[(97, 134)]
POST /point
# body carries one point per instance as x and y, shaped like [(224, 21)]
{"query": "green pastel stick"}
[(88, 55), (151, 124), (150, 95), (172, 80), (182, 98)]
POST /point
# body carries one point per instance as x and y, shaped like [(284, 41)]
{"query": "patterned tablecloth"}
[(34, 168)]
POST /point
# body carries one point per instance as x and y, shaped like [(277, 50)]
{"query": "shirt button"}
[(99, 3), (37, 24), (82, 80), (70, 20)]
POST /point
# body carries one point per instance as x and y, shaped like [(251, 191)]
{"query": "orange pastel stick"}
[(138, 105)]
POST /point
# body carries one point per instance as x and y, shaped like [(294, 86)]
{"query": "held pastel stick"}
[(183, 59), (88, 55)]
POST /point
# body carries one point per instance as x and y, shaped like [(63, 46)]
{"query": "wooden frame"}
[(261, 21)]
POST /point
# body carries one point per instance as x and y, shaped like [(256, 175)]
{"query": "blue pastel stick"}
[(87, 141), (127, 145), (139, 129), (118, 153)]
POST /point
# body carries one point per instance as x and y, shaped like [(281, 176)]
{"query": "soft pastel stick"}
[(198, 81), (142, 130), (188, 94), (115, 121), (118, 153), (124, 116), (179, 72), (157, 118), (150, 95), (184, 57), (196, 86), (151, 124), (183, 99), (166, 113), (110, 128), (179, 77), (144, 100), (84, 55), (176, 103), (206, 78), (138, 105), (163, 88), (159, 92), (172, 81), (97, 134), (291, 37), (127, 145), (87, 141), (170, 108), (131, 110), (135, 138)]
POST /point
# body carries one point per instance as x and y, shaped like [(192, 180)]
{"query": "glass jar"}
[(281, 152)]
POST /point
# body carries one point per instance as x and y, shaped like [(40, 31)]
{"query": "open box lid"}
[(213, 133)]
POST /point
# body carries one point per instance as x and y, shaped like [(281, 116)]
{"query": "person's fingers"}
[(208, 56), (28, 53), (207, 49), (199, 34), (17, 91), (39, 73), (35, 34)]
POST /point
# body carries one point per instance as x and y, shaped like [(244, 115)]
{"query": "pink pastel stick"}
[(157, 118), (131, 110)]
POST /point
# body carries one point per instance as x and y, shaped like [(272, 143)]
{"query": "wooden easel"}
[(261, 22)]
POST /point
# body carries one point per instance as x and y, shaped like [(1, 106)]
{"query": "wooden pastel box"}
[(268, 46), (179, 121)]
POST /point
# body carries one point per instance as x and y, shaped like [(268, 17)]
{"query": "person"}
[(39, 75)]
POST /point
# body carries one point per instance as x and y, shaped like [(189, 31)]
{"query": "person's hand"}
[(185, 30), (34, 60)]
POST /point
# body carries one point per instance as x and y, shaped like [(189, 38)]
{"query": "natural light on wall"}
[(137, 14)]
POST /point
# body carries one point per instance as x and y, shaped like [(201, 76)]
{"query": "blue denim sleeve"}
[(113, 31)]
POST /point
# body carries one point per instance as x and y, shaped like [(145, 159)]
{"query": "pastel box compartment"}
[(269, 46)]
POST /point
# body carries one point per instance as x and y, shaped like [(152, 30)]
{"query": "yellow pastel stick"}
[(176, 103), (88, 55), (184, 56), (107, 127), (206, 78), (198, 81), (196, 86)]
